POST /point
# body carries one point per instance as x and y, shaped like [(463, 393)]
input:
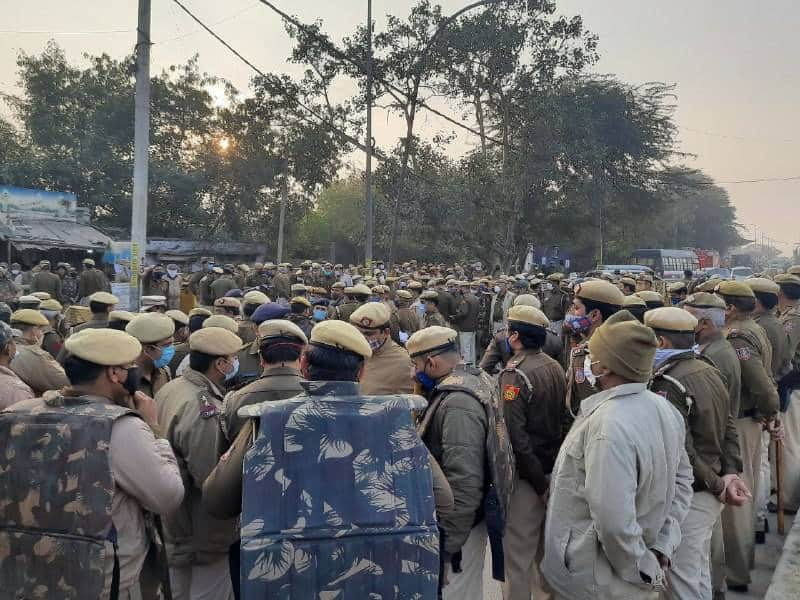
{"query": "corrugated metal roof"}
[(173, 247), (43, 234)]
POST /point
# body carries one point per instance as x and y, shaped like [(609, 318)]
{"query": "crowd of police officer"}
[(645, 471)]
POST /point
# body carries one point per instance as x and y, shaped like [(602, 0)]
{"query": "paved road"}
[(766, 559)]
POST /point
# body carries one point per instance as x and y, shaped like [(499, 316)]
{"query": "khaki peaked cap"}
[(372, 315), (215, 341), (670, 318), (150, 328), (704, 300), (280, 328), (106, 347), (625, 346), (431, 339), (221, 321), (600, 291), (342, 336)]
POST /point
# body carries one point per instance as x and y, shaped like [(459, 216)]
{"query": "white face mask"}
[(172, 273), (591, 378), (497, 289)]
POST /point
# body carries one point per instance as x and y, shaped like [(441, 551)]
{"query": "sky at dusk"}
[(734, 63)]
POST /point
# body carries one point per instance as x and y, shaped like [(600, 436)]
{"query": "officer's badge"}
[(366, 322), (207, 408), (580, 376), (743, 353), (510, 393)]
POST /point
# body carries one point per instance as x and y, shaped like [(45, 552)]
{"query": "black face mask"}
[(132, 382)]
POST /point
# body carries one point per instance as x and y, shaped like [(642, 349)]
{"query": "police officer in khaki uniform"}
[(556, 302), (433, 316), (91, 280), (155, 332), (46, 281), (189, 409), (594, 302), (141, 469), (758, 407), (454, 430), (52, 341), (651, 299), (709, 310), (695, 387), (389, 370), (281, 343), (636, 306), (100, 303), (532, 389), (355, 296), (251, 301), (405, 318), (181, 321), (627, 285), (765, 314), (230, 307), (222, 284), (33, 364), (119, 319), (789, 306)]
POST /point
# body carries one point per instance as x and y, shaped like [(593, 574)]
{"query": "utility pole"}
[(368, 169), (141, 145), (284, 200)]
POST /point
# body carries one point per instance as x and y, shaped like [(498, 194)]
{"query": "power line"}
[(42, 32), (341, 55), (738, 137), (297, 102), (760, 180), (214, 24)]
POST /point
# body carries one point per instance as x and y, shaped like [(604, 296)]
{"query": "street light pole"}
[(368, 201), (141, 145), (284, 199)]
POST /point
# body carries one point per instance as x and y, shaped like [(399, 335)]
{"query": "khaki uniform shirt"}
[(283, 288), (712, 443), (37, 368), (759, 394), (532, 387), (91, 281), (152, 383), (98, 321), (720, 352), (388, 371), (12, 388), (777, 340), (189, 410), (790, 319), (47, 281), (435, 319), (221, 286), (277, 383)]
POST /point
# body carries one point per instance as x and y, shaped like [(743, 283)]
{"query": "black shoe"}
[(761, 537), (766, 525), (739, 589)]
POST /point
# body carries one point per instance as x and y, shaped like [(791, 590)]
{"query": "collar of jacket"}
[(200, 380), (281, 371), (594, 401), (330, 388), (687, 354)]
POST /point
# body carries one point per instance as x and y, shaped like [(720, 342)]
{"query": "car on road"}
[(741, 273)]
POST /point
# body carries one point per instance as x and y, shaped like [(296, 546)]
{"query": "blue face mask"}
[(675, 300), (320, 314), (166, 357), (425, 380), (235, 371), (578, 324), (508, 346)]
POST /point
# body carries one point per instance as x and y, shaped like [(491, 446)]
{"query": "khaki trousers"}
[(764, 483), (791, 453), (523, 545), (690, 573), (202, 582), (738, 522), (468, 584)]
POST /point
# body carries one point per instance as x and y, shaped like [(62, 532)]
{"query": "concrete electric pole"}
[(368, 201), (141, 145)]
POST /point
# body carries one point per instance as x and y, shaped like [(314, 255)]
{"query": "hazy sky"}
[(734, 63)]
